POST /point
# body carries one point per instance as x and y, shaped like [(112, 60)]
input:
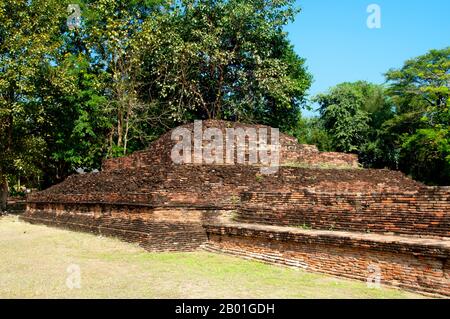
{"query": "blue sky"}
[(334, 38)]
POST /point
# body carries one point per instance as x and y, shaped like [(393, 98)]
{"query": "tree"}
[(77, 123), (422, 86), (224, 60), (129, 71), (352, 114), (311, 131), (112, 26), (27, 40), (426, 155), (420, 130)]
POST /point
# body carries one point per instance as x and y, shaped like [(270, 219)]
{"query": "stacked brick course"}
[(331, 220), (414, 264), (16, 206), (291, 153), (423, 212), (153, 229)]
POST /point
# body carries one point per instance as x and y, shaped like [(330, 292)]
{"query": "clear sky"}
[(338, 46)]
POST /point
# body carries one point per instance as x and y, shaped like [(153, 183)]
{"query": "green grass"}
[(34, 261)]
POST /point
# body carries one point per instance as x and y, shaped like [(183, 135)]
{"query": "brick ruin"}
[(16, 206), (319, 212)]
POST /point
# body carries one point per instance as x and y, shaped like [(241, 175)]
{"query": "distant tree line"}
[(404, 124), (129, 70)]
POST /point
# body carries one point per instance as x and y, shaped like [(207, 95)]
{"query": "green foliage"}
[(304, 227), (311, 131), (77, 116), (422, 86), (426, 155), (130, 71), (134, 69), (405, 126), (224, 60), (420, 130), (352, 114), (28, 39)]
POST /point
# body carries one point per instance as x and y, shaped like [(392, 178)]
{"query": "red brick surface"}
[(147, 199), (414, 264), (291, 152), (424, 212)]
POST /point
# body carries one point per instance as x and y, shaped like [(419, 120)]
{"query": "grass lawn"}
[(35, 259)]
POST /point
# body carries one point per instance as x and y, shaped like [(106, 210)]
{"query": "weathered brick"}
[(389, 220)]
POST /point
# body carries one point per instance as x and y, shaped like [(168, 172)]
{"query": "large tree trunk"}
[(3, 193)]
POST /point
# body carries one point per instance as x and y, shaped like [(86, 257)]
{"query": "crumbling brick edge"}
[(419, 267)]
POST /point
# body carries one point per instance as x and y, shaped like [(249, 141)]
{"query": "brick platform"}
[(154, 228), (410, 263), (16, 206), (424, 212), (336, 221), (291, 152)]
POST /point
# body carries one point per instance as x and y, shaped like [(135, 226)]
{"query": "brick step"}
[(437, 247), (416, 264)]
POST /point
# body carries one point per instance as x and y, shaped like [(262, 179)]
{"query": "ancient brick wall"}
[(420, 265), (155, 229), (291, 152), (309, 155), (425, 212), (291, 217), (214, 184), (16, 206)]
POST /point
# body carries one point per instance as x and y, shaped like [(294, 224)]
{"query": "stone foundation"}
[(425, 212), (290, 151), (344, 222), (413, 264), (16, 206), (155, 229)]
